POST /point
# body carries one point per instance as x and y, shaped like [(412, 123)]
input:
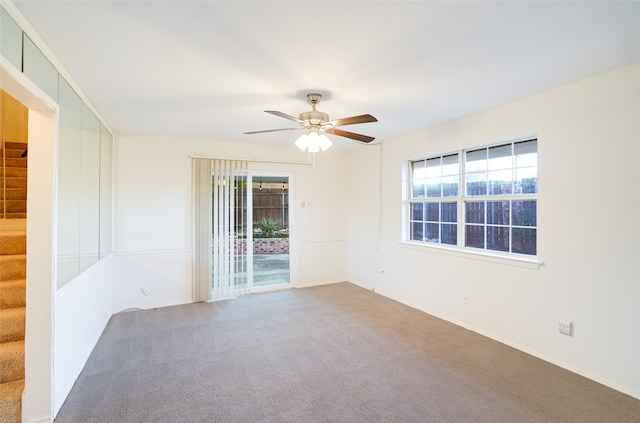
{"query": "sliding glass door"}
[(270, 233), (241, 220)]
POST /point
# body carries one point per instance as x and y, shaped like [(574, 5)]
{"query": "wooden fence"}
[(271, 203)]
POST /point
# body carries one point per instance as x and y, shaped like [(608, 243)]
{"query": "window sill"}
[(527, 263)]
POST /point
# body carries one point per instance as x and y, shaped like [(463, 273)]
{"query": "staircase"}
[(13, 262), (13, 202)]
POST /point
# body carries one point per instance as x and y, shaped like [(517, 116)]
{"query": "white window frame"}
[(459, 249)]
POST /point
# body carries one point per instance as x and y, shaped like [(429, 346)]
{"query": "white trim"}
[(316, 240), (148, 252), (46, 419), (481, 255)]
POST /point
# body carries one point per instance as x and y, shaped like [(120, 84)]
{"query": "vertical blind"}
[(219, 216)]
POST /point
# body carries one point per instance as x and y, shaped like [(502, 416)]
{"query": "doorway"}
[(242, 229), (269, 214)]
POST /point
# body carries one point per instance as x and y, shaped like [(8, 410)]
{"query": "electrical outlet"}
[(146, 290), (565, 328)]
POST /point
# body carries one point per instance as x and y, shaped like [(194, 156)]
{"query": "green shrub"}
[(268, 228)]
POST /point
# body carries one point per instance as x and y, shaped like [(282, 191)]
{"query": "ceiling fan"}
[(316, 122)]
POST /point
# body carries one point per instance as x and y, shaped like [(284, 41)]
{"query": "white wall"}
[(82, 310), (38, 393), (153, 215), (588, 237)]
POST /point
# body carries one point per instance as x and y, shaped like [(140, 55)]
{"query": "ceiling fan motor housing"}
[(314, 117)]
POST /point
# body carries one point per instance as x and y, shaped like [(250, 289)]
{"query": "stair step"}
[(11, 361), (13, 294), (13, 244), (13, 152), (11, 401), (13, 267), (12, 324), (15, 162), (12, 145), (15, 172), (15, 182), (13, 215), (19, 193), (14, 206)]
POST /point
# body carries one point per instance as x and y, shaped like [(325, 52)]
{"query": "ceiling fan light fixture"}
[(313, 141), (315, 121)]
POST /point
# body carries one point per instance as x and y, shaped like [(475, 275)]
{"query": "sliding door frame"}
[(293, 268)]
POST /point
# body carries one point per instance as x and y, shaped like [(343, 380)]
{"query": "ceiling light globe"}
[(303, 142), (325, 142), (314, 142)]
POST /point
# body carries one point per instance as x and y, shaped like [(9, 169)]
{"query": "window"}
[(482, 198), (436, 183)]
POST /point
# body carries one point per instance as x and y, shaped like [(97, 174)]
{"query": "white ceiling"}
[(209, 69)]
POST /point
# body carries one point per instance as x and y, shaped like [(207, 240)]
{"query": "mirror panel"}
[(68, 194), (89, 189), (10, 39), (38, 69), (106, 158)]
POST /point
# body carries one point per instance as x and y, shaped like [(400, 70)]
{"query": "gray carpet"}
[(334, 353)]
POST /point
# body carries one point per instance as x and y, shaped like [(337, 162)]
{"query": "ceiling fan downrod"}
[(314, 117)]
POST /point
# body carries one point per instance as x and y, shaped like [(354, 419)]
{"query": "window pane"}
[(433, 167), (476, 161), (416, 211), (477, 184), (500, 182), (432, 232), (418, 170), (449, 234), (474, 236), (450, 186), (418, 174), (418, 189), (450, 165), (526, 160), (525, 147), (449, 212), (500, 157), (498, 238), (524, 241), (417, 231), (433, 212), (498, 212), (524, 213), (474, 212), (434, 187), (526, 181)]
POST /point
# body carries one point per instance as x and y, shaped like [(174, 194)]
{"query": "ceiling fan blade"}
[(353, 120), (354, 136), (286, 116), (274, 130)]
